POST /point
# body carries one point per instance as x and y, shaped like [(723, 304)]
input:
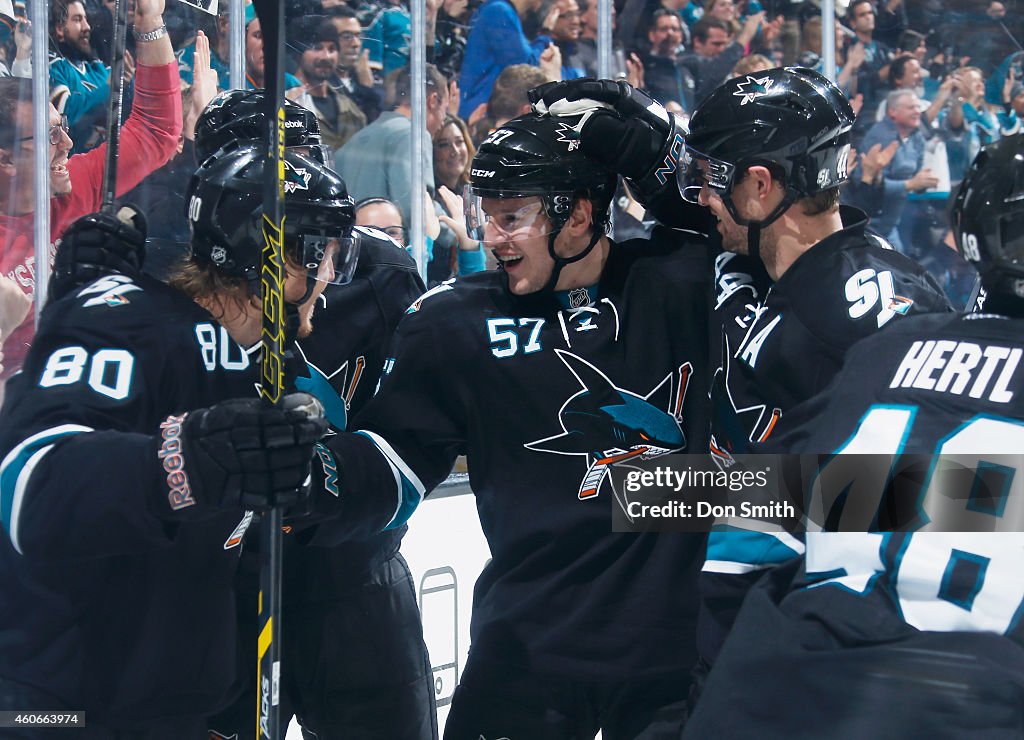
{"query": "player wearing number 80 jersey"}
[(132, 445), (931, 620)]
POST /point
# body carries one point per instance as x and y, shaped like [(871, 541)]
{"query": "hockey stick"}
[(268, 672), (116, 105)]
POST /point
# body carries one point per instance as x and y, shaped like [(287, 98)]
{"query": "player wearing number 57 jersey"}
[(930, 620), (579, 355), (132, 445)]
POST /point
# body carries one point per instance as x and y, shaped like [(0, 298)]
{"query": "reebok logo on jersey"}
[(170, 454)]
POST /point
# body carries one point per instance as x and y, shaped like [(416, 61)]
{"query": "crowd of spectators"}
[(932, 82)]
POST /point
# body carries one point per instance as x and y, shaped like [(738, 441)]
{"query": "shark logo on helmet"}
[(752, 88), (295, 178)]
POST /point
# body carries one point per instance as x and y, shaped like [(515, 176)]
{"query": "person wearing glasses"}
[(354, 77), (314, 47), (148, 139), (383, 215), (566, 33)]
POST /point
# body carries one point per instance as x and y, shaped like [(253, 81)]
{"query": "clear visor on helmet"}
[(317, 152), (330, 259), (496, 221), (696, 169)]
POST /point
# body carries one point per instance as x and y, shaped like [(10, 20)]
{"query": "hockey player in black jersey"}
[(133, 444), (354, 661), (766, 154), (577, 355), (906, 634)]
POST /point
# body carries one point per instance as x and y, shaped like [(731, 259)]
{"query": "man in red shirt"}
[(148, 139)]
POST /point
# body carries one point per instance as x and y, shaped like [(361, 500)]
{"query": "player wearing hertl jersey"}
[(767, 156), (579, 355), (928, 622)]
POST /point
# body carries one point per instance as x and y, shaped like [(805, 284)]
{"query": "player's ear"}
[(762, 177), (580, 217)]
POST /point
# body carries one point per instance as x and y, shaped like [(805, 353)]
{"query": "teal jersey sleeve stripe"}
[(742, 551), (410, 499), (409, 489), (16, 470)]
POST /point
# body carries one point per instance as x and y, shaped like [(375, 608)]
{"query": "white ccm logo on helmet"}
[(482, 173)]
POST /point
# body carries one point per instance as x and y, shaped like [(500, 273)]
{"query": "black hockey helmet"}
[(988, 221), (535, 155), (239, 115), (540, 155), (790, 119), (225, 210)]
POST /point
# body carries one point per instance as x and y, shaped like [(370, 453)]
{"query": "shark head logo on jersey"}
[(610, 425)]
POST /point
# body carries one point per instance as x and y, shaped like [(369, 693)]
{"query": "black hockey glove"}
[(632, 134), (627, 130), (241, 454), (99, 244)]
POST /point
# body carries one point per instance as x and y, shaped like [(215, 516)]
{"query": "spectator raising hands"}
[(14, 306), (551, 63), (454, 219), (204, 84)]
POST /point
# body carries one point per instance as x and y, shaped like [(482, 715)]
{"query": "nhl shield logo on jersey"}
[(609, 425)]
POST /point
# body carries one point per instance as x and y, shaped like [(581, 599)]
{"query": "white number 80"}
[(110, 370)]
